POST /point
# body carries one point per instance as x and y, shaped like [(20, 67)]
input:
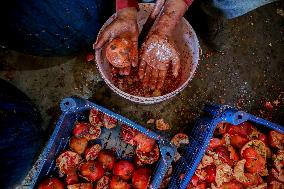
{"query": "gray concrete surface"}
[(249, 75)]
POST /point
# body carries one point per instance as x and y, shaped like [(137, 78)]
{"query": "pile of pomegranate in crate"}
[(85, 165), (241, 157)]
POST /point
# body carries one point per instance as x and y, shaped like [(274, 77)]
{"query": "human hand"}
[(123, 26), (157, 53)]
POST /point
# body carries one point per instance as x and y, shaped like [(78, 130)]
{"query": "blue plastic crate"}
[(202, 133), (76, 109)]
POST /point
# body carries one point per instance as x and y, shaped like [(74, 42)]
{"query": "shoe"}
[(214, 31), (218, 35)]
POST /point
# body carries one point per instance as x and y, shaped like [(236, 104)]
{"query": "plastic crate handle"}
[(71, 103), (167, 151), (235, 117)]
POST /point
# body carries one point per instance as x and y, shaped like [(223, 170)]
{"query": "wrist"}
[(121, 4), (170, 17), (188, 2), (128, 13)]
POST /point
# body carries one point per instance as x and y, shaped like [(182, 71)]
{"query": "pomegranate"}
[(215, 142), (124, 169), (180, 139), (162, 125), (103, 183), (78, 145), (80, 186), (194, 180), (275, 185), (95, 117), (68, 161), (92, 152), (120, 52), (144, 143), (51, 183), (224, 155), (243, 129), (90, 57), (148, 157), (81, 129), (233, 154), (231, 185), (94, 133), (257, 145), (263, 138), (238, 141), (109, 122), (224, 173), (247, 179), (210, 173), (200, 185), (249, 153), (221, 128), (137, 162), (276, 140), (91, 171), (107, 159), (117, 183), (127, 134), (141, 178), (278, 160), (71, 177)]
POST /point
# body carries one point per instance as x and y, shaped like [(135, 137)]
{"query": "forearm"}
[(171, 15)]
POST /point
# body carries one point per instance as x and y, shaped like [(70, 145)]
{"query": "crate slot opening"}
[(240, 117)]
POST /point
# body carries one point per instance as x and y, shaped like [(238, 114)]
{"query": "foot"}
[(214, 31), (218, 34)]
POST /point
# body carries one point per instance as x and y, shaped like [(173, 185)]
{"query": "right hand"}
[(157, 53), (124, 25), (158, 50)]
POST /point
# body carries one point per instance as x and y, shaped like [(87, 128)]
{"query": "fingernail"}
[(145, 84), (175, 74), (126, 73), (95, 46)]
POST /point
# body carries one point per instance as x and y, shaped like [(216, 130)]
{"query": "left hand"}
[(157, 53), (123, 26)]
